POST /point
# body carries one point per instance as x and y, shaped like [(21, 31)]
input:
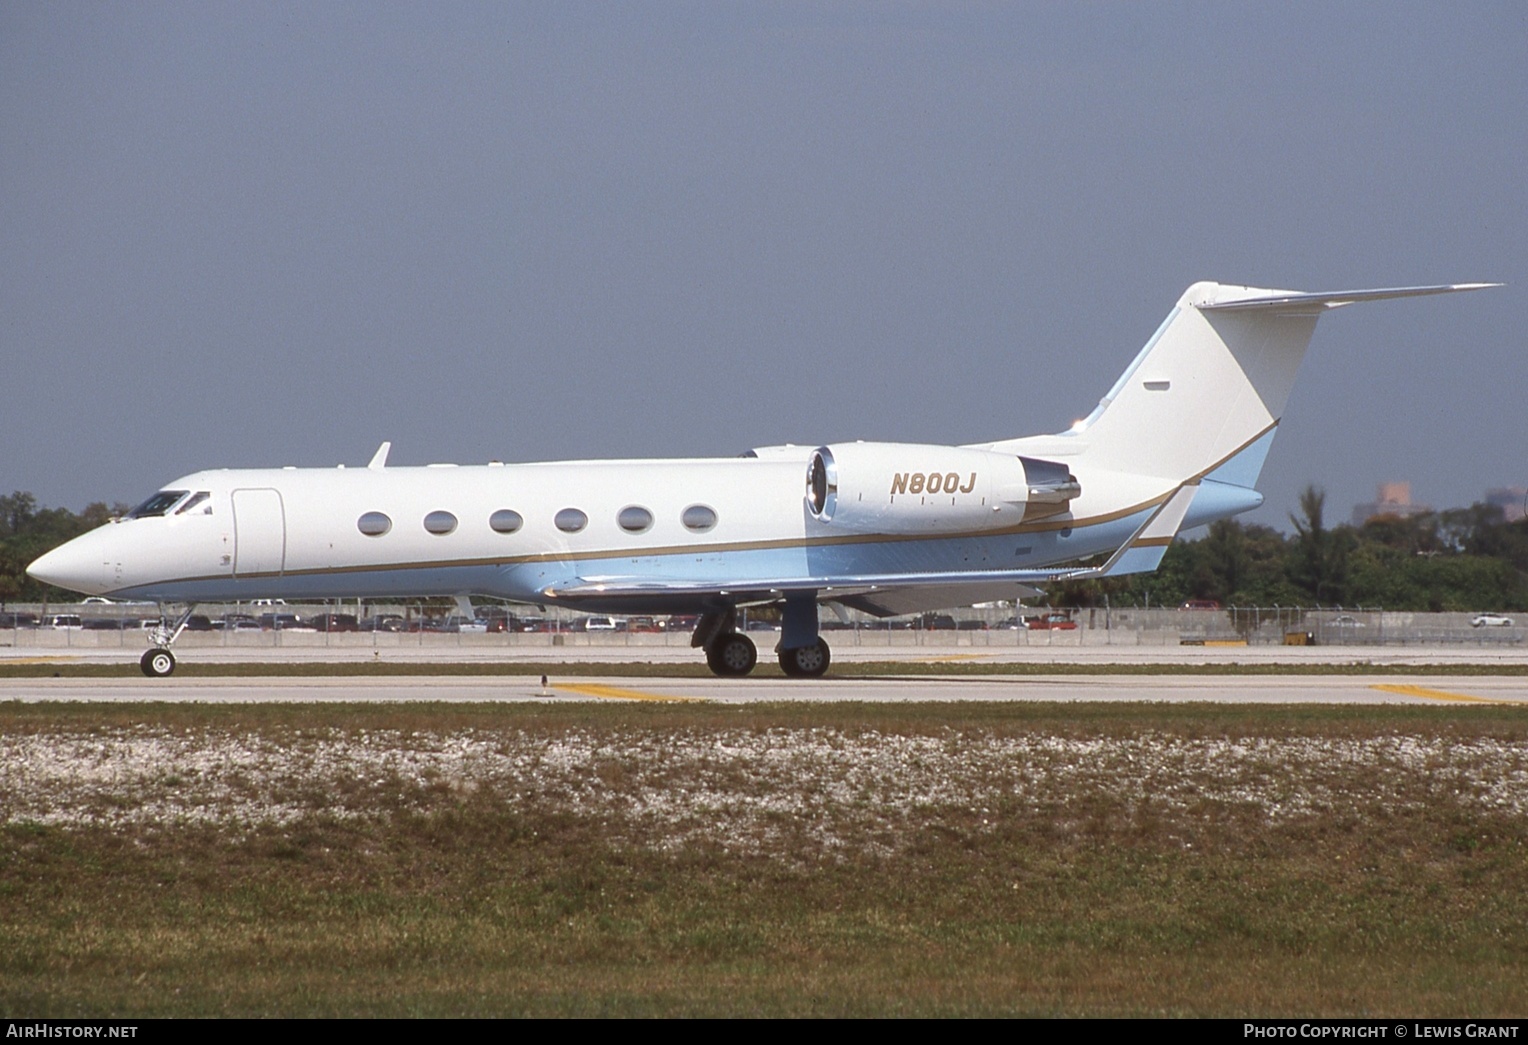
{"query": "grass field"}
[(763, 859)]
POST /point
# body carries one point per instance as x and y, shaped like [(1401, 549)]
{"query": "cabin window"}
[(440, 523), (635, 519), (698, 517), (571, 520), (505, 521), (199, 504), (160, 503), (374, 524)]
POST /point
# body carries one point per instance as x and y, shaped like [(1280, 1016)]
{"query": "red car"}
[(1051, 622)]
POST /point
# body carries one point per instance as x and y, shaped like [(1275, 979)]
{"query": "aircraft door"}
[(259, 533)]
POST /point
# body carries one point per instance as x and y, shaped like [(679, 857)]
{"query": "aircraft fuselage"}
[(518, 531)]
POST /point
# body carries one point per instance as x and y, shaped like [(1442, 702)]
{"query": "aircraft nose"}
[(70, 566)]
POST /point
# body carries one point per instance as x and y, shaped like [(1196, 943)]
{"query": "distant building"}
[(1392, 499), (1510, 499)]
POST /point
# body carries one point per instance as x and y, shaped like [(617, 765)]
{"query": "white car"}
[(1491, 620)]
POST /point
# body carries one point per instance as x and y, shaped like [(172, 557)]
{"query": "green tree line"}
[(1464, 559), (28, 530)]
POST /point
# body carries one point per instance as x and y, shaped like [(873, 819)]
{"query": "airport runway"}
[(1253, 689), (488, 652)]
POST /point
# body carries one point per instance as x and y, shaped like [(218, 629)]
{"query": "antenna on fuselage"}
[(379, 459)]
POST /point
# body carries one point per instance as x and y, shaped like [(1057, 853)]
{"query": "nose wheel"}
[(806, 662), (157, 663)]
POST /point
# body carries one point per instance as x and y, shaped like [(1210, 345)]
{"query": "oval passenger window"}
[(440, 522), (374, 524), (634, 519), (571, 520), (698, 517), (505, 521)]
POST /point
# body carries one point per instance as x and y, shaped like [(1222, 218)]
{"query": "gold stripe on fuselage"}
[(1040, 526)]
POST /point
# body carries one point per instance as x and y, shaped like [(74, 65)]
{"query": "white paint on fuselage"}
[(1194, 411), (763, 529)]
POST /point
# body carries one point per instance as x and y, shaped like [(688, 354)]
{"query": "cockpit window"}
[(160, 503), (199, 504)]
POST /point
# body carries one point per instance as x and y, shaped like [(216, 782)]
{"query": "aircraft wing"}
[(888, 595)]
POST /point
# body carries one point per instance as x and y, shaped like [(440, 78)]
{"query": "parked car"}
[(1200, 604), (334, 622), (1051, 622), (281, 622), (1345, 620), (381, 622), (1491, 620)]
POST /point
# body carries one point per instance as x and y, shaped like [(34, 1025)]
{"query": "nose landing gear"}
[(158, 662)]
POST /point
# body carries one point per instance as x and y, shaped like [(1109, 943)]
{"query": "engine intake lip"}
[(822, 484)]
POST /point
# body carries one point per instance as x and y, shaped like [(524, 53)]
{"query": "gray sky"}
[(268, 234)]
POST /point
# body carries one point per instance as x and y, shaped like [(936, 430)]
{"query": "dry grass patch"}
[(831, 860)]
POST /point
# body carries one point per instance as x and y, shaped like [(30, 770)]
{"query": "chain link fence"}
[(394, 625)]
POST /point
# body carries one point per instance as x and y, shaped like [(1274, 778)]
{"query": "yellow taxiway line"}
[(590, 689), (1439, 694)]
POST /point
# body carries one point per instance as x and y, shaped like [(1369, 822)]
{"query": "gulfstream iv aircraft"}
[(887, 528)]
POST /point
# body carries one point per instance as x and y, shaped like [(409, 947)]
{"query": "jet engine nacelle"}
[(906, 488)]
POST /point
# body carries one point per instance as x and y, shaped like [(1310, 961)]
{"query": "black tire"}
[(731, 655), (807, 662), (157, 663)]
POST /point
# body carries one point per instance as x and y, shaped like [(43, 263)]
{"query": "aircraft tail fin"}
[(1211, 384)]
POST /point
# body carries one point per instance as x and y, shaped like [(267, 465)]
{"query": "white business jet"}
[(887, 528)]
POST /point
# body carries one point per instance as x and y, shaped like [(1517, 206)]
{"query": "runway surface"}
[(1257, 689)]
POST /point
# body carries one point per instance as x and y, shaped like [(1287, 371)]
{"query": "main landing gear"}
[(731, 654), (806, 662), (158, 662)]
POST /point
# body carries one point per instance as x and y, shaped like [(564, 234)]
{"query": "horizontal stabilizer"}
[(1314, 302)]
